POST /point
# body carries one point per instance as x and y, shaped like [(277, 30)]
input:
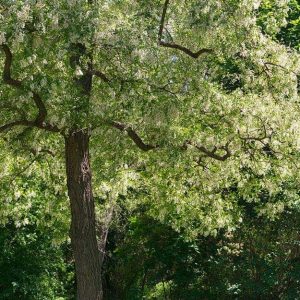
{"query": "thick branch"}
[(162, 20), (7, 78), (41, 107), (174, 45), (16, 123), (7, 68), (101, 75), (185, 50), (27, 123), (133, 135), (146, 147)]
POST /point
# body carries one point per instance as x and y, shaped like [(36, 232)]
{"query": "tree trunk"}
[(83, 225)]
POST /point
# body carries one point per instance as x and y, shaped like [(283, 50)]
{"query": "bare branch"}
[(7, 78), (174, 45), (146, 147), (103, 228), (42, 111), (162, 20), (133, 135), (41, 107), (27, 123), (101, 75), (213, 153), (185, 50), (7, 68), (164, 88), (21, 171), (264, 139), (37, 156), (16, 123)]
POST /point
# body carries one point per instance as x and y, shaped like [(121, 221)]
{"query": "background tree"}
[(258, 260)]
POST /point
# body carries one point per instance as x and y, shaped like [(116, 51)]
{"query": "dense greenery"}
[(210, 208), (259, 261), (32, 267)]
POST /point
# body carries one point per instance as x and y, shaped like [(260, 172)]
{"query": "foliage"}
[(32, 266), (203, 134), (213, 196), (35, 257), (287, 31), (260, 260)]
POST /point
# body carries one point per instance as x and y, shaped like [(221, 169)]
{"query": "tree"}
[(102, 69), (259, 260)]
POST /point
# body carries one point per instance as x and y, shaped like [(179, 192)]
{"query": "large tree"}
[(208, 100)]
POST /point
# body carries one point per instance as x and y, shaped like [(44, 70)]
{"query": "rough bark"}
[(83, 225)]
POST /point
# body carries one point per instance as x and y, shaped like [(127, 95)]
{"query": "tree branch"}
[(146, 147), (27, 123), (16, 123), (279, 66), (261, 138), (7, 68), (101, 75), (264, 139), (133, 135), (39, 122), (174, 45), (212, 153), (7, 78)]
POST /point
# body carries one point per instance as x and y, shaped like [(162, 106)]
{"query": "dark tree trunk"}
[(83, 225)]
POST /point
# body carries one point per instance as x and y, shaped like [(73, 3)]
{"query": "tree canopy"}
[(192, 108)]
